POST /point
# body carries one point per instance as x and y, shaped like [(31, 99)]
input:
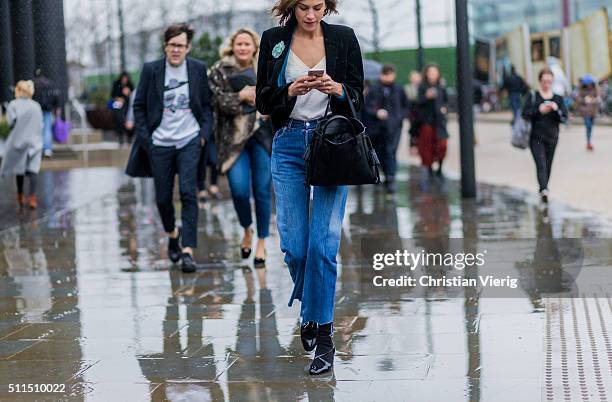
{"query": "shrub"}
[(4, 129)]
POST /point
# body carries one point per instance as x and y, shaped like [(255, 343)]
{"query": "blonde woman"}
[(24, 145), (243, 153)]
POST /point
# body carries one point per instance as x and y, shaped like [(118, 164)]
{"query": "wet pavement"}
[(88, 302)]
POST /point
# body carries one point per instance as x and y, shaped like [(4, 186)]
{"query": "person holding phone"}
[(432, 101), (293, 90), (588, 101), (545, 111)]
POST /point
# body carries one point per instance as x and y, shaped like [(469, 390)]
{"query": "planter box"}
[(101, 119)]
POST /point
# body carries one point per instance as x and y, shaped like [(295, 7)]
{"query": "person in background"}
[(173, 117), (477, 97), (207, 168), (412, 94), (243, 156), (432, 110), (546, 110), (129, 115), (121, 92), (388, 106), (24, 145), (47, 95), (588, 101), (516, 87)]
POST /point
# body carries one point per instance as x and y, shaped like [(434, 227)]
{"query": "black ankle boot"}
[(324, 355), (308, 333)]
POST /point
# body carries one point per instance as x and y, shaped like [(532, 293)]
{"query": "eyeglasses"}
[(177, 46)]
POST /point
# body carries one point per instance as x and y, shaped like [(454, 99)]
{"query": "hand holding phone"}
[(316, 72)]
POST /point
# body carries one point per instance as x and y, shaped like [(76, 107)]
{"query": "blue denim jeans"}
[(515, 104), (252, 166), (309, 225), (47, 134), (588, 123)]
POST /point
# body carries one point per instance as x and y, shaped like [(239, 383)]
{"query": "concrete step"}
[(81, 135), (98, 154)]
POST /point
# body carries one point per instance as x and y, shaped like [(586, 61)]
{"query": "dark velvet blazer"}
[(344, 65)]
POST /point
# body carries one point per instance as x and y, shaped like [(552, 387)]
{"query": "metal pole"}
[(109, 44), (420, 51), (121, 35), (565, 13), (465, 102)]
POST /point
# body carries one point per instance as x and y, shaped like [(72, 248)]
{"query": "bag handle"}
[(338, 117), (345, 92)]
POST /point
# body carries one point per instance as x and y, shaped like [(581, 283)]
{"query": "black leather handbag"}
[(341, 152)]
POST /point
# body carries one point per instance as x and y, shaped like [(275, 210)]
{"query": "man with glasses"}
[(173, 118)]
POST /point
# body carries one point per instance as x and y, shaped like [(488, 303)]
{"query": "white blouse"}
[(312, 105)]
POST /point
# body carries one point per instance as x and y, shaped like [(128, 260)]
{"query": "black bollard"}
[(465, 102)]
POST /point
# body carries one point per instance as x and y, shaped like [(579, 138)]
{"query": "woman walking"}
[(588, 100), (25, 144), (304, 65), (545, 111), (122, 89), (432, 111), (242, 154)]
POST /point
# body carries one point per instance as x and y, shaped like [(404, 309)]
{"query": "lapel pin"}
[(278, 49)]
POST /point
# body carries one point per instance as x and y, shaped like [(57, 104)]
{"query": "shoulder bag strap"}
[(348, 99)]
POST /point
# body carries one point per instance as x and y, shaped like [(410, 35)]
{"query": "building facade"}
[(492, 18)]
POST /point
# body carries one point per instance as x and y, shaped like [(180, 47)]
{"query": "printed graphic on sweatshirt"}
[(176, 95)]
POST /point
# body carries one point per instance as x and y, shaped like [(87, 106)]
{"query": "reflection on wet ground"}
[(88, 300)]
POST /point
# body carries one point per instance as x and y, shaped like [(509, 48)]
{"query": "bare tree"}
[(162, 6), (222, 17), (139, 17), (379, 30), (121, 24), (375, 41)]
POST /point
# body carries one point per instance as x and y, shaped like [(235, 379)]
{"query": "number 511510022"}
[(37, 388)]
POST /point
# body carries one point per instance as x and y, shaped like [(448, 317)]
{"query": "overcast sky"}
[(87, 21)]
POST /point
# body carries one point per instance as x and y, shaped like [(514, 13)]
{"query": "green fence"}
[(405, 60)]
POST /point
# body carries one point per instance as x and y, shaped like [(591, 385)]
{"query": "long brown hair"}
[(284, 10), (426, 70)]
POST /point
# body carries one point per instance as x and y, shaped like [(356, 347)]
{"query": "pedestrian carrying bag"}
[(61, 130), (521, 130), (341, 152)]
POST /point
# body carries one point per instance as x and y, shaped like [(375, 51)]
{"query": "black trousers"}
[(166, 162), (119, 119), (385, 144), (33, 182), (543, 152), (208, 162)]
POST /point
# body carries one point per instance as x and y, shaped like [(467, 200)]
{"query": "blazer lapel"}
[(331, 50), (160, 76), (191, 77), (280, 62)]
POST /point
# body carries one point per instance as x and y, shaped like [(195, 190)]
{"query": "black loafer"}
[(188, 264), (174, 248), (308, 334)]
